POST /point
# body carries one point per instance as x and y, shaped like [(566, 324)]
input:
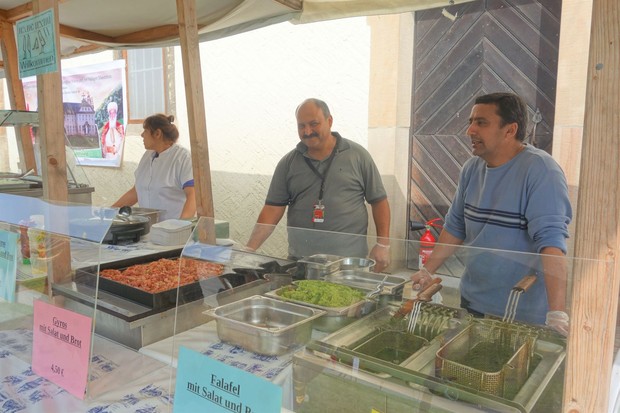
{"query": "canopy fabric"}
[(318, 10), (88, 26)]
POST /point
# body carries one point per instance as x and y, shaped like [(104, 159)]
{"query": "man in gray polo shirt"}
[(325, 182)]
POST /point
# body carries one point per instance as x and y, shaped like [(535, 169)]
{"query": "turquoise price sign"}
[(207, 385)]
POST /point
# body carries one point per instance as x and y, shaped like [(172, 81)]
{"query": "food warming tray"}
[(418, 372), (334, 317), (264, 325), (366, 280), (368, 336), (316, 267), (158, 301)]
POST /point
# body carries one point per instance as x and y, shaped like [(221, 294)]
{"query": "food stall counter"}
[(147, 387), (204, 339), (26, 392)]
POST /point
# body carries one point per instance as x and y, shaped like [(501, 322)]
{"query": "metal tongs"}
[(413, 306), (370, 302), (377, 290), (513, 299), (423, 296)]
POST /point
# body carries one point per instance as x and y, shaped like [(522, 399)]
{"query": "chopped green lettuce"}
[(322, 293)]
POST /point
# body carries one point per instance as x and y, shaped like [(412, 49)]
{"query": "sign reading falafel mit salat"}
[(208, 385)]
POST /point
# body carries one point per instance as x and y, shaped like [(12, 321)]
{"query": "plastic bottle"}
[(38, 250), (24, 241)]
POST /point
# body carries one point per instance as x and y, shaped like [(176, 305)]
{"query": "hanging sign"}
[(36, 44)]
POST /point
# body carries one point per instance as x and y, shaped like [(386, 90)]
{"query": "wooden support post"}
[(595, 287), (190, 51), (53, 155), (16, 95), (51, 121)]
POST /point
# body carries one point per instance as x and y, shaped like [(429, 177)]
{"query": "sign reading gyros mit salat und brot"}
[(61, 347)]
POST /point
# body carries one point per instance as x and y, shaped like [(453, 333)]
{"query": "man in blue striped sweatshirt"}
[(511, 196)]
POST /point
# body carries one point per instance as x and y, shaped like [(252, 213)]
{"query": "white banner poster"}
[(94, 105)]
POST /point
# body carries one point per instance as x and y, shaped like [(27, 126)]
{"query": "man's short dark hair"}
[(319, 103), (510, 108)]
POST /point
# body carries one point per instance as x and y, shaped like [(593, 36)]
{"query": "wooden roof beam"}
[(293, 4), (20, 12), (87, 49), (85, 35), (153, 34), (17, 13)]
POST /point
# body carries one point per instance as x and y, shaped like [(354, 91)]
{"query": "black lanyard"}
[(324, 175)]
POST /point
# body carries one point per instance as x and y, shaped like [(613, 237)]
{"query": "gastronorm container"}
[(264, 325), (334, 318), (355, 263), (391, 346), (171, 232), (158, 301), (151, 213), (318, 266), (383, 336), (366, 280)]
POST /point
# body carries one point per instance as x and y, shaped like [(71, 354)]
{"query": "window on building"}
[(146, 83)]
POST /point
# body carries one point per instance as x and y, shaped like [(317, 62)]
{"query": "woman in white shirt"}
[(164, 178)]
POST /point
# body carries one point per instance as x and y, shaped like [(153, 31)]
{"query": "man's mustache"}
[(312, 135)]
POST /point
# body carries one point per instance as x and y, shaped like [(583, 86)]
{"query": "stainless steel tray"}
[(366, 280), (355, 335), (549, 356), (318, 266), (334, 318), (264, 325)]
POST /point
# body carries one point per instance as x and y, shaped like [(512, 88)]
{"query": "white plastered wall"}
[(571, 94), (390, 109), (252, 84)]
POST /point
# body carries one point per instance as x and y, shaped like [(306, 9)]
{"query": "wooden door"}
[(491, 46)]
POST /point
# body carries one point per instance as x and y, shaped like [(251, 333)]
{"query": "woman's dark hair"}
[(163, 123), (510, 108)]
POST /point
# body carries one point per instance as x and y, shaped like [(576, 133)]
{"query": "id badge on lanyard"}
[(318, 213)]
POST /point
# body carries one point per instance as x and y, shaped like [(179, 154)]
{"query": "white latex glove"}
[(421, 279), (558, 320)]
